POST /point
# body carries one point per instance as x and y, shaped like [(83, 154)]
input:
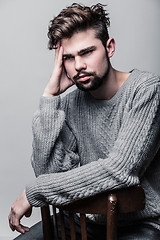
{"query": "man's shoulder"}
[(144, 79), (147, 77)]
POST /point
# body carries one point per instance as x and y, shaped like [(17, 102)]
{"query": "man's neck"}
[(111, 84)]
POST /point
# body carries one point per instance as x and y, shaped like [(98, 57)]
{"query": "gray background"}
[(26, 64)]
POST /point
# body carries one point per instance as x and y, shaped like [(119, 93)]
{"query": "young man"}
[(109, 126)]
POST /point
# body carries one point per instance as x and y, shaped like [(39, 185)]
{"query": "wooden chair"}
[(110, 203)]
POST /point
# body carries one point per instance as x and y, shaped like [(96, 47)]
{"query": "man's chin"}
[(84, 86)]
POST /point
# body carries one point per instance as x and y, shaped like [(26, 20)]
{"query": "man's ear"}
[(110, 47)]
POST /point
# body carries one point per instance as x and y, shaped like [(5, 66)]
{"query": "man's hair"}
[(77, 18)]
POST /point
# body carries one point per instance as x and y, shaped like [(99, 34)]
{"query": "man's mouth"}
[(83, 78)]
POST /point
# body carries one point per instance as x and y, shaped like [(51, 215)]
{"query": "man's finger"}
[(11, 222), (57, 50), (26, 229), (12, 227), (60, 55), (20, 229)]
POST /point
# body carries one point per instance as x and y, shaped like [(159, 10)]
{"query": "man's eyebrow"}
[(86, 49), (80, 52)]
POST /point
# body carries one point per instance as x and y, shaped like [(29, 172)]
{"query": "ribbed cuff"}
[(49, 102)]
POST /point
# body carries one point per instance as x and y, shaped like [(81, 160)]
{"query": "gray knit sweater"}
[(82, 146)]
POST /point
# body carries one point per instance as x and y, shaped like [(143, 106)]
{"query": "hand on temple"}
[(59, 81)]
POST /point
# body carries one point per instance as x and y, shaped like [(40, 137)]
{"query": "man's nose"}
[(80, 64)]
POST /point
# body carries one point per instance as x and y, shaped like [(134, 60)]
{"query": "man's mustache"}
[(78, 75)]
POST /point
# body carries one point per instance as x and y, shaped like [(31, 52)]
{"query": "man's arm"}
[(49, 154), (53, 141), (50, 150), (133, 151)]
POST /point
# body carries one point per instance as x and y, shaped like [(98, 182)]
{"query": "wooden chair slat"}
[(111, 217), (47, 223), (72, 226), (63, 233), (83, 227), (55, 223)]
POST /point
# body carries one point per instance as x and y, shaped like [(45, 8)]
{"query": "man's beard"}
[(93, 83)]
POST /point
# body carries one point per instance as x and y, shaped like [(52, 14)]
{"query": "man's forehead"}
[(79, 41)]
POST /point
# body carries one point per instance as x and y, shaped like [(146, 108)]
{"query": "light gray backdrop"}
[(26, 64)]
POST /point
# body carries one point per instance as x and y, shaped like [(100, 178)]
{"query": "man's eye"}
[(67, 58)]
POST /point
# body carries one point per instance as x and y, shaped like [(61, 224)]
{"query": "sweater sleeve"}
[(52, 152), (133, 151)]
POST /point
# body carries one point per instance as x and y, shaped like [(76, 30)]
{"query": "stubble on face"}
[(94, 82)]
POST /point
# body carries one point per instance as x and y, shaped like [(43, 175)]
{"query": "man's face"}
[(85, 60)]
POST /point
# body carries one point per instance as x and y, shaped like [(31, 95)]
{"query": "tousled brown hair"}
[(76, 18)]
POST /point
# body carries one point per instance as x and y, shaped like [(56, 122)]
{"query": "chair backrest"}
[(110, 203)]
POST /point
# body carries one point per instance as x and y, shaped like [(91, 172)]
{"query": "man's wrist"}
[(48, 93), (45, 94)]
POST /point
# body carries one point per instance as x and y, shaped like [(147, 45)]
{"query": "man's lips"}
[(83, 78)]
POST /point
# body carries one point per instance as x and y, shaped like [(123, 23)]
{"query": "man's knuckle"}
[(12, 209)]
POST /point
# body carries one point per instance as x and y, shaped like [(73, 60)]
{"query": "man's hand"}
[(21, 207), (59, 81)]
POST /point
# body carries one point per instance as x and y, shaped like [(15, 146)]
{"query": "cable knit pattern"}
[(82, 146)]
